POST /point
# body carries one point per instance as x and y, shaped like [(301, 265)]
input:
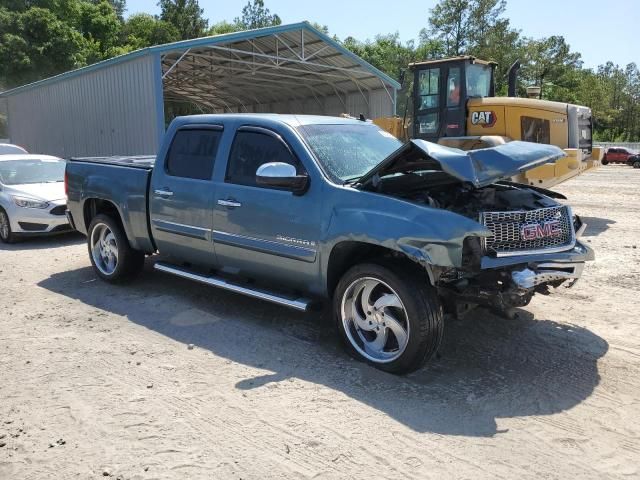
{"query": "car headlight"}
[(27, 202)]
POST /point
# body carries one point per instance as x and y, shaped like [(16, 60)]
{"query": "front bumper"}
[(507, 282), (580, 253), (36, 221), (531, 271), (547, 273)]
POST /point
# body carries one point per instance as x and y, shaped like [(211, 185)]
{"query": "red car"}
[(621, 155)]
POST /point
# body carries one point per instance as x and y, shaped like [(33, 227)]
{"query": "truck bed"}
[(120, 181)]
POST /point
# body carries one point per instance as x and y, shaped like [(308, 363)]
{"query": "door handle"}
[(229, 203), (163, 193)]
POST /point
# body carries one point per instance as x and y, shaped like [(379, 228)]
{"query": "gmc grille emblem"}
[(536, 231)]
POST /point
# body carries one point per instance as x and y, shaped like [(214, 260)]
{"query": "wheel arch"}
[(348, 253), (95, 206)]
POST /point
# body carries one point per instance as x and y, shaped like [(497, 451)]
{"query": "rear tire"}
[(6, 235), (112, 257), (605, 162), (393, 321)]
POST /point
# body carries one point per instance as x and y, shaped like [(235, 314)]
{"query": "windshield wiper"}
[(352, 180)]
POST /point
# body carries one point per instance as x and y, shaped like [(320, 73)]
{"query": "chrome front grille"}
[(508, 236)]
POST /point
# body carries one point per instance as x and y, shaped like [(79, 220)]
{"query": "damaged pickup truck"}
[(298, 209)]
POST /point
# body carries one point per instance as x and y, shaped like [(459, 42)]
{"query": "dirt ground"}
[(165, 378)]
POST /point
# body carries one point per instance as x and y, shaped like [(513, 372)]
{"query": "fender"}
[(428, 236)]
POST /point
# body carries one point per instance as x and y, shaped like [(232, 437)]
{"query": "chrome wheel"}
[(4, 226), (104, 249), (375, 320)]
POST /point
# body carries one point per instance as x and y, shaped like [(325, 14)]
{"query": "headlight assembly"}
[(27, 202)]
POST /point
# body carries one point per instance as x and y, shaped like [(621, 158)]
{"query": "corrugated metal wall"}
[(113, 110), (380, 105), (107, 111)]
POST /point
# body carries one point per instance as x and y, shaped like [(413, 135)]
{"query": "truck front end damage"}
[(532, 242), (534, 246), (506, 283)]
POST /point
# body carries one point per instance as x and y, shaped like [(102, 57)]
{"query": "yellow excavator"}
[(453, 103)]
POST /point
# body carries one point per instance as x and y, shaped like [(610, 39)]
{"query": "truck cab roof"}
[(291, 120)]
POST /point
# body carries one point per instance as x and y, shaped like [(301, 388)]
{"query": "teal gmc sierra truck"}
[(298, 210)]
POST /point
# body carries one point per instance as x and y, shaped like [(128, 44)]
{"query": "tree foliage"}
[(142, 30), (41, 38), (36, 43), (256, 15), (186, 16)]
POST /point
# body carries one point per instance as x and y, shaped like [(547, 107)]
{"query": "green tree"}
[(143, 30), (469, 27), (186, 16), (503, 45), (386, 53), (256, 15), (613, 92), (224, 27), (100, 25), (449, 22), (318, 26), (550, 64), (35, 43), (119, 6), (473, 27)]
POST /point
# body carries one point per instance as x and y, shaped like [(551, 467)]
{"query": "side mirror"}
[(282, 175)]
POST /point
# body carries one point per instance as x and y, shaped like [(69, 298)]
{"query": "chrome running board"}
[(301, 304)]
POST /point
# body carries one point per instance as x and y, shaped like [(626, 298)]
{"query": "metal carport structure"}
[(117, 107)]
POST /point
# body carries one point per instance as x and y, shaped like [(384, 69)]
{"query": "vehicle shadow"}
[(45, 242), (596, 225), (489, 368)]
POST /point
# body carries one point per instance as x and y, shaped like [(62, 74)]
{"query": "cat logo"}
[(486, 119)]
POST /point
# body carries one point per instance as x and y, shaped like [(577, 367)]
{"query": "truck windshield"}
[(478, 80), (19, 172), (349, 151)]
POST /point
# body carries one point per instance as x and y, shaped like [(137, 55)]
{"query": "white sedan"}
[(32, 197), (9, 148)]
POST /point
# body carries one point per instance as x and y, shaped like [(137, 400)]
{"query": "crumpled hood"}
[(478, 167), (42, 191)]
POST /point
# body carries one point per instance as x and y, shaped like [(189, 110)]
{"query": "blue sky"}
[(600, 30)]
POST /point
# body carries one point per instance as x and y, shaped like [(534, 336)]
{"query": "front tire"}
[(6, 235), (636, 164), (605, 162), (112, 257), (392, 321)]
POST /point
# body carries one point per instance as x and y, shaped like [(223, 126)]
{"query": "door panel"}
[(181, 197), (279, 247), (273, 234), (265, 232)]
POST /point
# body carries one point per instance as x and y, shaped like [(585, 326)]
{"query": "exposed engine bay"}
[(525, 221), (439, 190)]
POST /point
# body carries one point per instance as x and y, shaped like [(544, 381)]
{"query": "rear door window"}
[(193, 153)]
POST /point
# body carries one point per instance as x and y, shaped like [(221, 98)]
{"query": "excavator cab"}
[(441, 90)]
